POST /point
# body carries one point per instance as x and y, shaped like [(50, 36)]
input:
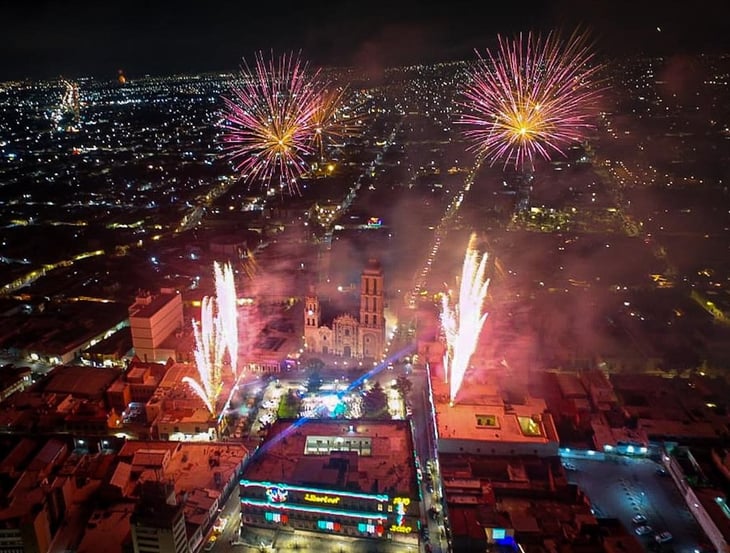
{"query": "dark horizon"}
[(43, 40)]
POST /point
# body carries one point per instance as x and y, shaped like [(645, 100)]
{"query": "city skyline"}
[(44, 40), (348, 376)]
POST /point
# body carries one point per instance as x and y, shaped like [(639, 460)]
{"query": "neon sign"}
[(276, 495), (329, 525), (368, 528), (400, 510), (328, 499), (401, 529), (402, 501), (318, 509), (276, 517), (258, 484)]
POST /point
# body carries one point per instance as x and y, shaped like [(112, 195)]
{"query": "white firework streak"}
[(448, 323), (208, 354), (227, 303), (463, 322)]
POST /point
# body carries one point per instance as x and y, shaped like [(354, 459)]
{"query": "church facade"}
[(348, 336)]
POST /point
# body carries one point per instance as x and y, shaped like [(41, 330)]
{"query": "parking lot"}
[(646, 501)]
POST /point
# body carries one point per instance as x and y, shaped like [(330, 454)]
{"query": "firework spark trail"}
[(449, 325), (267, 122), (215, 334), (532, 97), (227, 304), (328, 121), (208, 354), (463, 321)]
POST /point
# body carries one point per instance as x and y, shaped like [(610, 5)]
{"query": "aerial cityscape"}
[(387, 278)]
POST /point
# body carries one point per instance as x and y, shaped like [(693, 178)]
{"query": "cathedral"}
[(362, 338)]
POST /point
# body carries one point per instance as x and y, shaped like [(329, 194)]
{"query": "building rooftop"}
[(80, 381), (366, 456), (190, 466), (486, 411), (185, 415), (716, 505), (147, 306), (107, 530)]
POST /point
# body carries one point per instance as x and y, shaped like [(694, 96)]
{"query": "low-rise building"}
[(13, 379), (488, 419), (344, 478), (497, 502)]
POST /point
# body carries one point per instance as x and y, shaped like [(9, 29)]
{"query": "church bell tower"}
[(372, 320)]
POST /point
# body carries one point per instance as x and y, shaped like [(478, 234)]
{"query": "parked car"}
[(639, 519), (643, 530), (663, 537)]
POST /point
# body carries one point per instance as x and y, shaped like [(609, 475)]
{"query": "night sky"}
[(45, 39)]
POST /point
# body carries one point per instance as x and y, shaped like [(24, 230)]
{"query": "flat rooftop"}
[(348, 455), (107, 529), (146, 310), (485, 410), (80, 381), (190, 465)]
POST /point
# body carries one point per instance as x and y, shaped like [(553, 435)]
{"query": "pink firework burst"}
[(268, 120), (530, 98), (334, 119)]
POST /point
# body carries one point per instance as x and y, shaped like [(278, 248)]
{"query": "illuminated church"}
[(346, 335)]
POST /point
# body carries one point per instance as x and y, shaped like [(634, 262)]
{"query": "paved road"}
[(426, 449)]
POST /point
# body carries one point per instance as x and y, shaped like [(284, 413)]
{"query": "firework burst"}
[(267, 121), (530, 98), (463, 320), (330, 120)]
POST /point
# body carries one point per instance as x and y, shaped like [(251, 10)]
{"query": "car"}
[(639, 519), (663, 537), (219, 525), (643, 530), (661, 471), (210, 544), (569, 466)]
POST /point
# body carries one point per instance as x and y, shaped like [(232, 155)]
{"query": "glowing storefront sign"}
[(400, 509), (287, 487), (401, 529), (318, 509), (276, 495), (402, 501), (327, 499)]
